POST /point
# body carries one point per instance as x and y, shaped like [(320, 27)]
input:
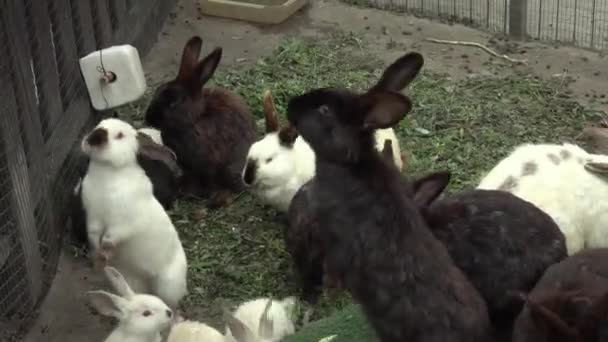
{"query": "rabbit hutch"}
[(45, 110)]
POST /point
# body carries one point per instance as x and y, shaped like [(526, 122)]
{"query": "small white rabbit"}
[(141, 317), (260, 320), (191, 331), (281, 162), (126, 225)]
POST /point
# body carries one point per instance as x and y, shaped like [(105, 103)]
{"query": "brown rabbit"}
[(209, 129)]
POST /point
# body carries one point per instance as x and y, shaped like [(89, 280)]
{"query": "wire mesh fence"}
[(44, 109), (582, 23)]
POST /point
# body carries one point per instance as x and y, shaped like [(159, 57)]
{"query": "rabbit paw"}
[(104, 253)]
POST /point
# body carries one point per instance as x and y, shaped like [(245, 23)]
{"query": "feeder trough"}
[(259, 11)]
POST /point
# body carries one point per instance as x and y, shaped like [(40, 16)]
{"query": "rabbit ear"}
[(429, 187), (118, 282), (270, 113), (401, 73), (150, 150), (288, 135), (238, 329), (289, 305), (205, 69), (542, 314), (387, 150), (266, 327), (190, 55), (596, 314), (597, 167), (384, 109), (108, 304)]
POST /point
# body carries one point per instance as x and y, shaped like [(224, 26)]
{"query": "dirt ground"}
[(64, 315)]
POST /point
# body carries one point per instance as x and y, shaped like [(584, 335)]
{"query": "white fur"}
[(152, 133), (283, 170), (575, 198), (122, 212), (129, 307), (381, 135), (190, 331), (274, 326)]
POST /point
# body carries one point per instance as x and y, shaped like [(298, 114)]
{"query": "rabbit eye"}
[(268, 160), (119, 136), (147, 313), (324, 110)]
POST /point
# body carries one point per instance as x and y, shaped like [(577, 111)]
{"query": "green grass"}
[(237, 253)]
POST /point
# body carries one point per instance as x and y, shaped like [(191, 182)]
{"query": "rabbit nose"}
[(169, 313), (250, 172)]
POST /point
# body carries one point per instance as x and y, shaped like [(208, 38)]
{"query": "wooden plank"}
[(68, 131), (120, 25), (138, 17), (83, 27), (65, 49), (102, 24), (45, 65), (12, 79), (145, 31), (26, 93), (518, 18)]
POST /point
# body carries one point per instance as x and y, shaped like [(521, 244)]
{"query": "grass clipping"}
[(237, 253)]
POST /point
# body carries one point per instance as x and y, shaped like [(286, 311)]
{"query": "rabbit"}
[(544, 175), (191, 331), (569, 303), (126, 225), (373, 240), (160, 164), (210, 129), (141, 317), (261, 319), (281, 162), (501, 242)]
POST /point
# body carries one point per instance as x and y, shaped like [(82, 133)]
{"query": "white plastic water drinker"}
[(113, 76)]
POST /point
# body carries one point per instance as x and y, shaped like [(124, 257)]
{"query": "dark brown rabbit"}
[(210, 129), (500, 241), (569, 303), (370, 236)]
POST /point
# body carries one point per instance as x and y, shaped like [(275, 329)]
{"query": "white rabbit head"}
[(138, 314), (261, 320), (113, 142), (271, 160)]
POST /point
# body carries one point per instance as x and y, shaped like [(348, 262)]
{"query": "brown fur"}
[(565, 154), (529, 168), (569, 303), (555, 159), (509, 184), (209, 129)]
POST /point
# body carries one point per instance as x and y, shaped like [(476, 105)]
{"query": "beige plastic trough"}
[(259, 11)]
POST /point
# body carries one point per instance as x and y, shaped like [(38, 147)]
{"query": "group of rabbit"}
[(523, 257)]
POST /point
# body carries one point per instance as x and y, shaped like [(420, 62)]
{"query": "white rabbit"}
[(141, 317), (126, 225), (191, 331), (153, 133), (281, 162), (566, 182), (262, 319)]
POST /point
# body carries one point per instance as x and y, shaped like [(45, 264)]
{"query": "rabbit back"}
[(501, 242)]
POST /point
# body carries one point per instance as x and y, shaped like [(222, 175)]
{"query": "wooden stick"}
[(481, 46)]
